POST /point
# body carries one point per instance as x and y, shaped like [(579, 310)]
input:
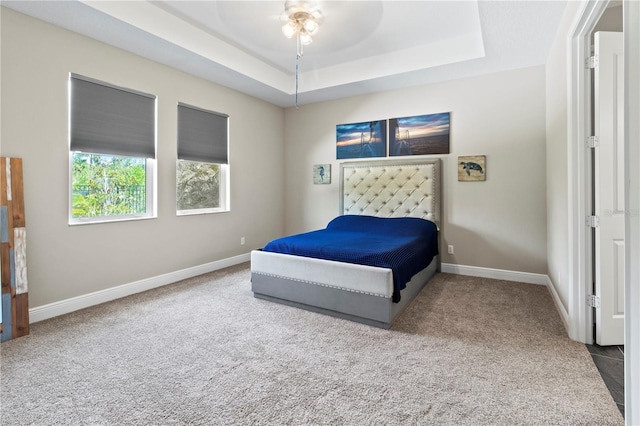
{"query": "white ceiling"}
[(362, 47)]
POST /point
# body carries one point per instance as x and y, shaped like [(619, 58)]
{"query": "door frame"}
[(631, 19), (580, 317), (580, 236)]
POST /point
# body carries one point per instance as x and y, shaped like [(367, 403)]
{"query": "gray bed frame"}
[(386, 188)]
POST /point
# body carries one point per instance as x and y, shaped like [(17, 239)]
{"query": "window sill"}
[(95, 221), (200, 212)]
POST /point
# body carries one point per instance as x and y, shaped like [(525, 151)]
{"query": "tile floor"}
[(610, 363)]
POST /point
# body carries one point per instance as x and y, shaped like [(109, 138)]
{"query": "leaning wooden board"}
[(13, 251)]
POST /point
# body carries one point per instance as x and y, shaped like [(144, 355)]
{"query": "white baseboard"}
[(523, 277), (62, 307), (564, 315), (498, 274), (41, 313)]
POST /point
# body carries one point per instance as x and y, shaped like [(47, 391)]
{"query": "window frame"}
[(150, 198), (223, 194), (151, 175), (224, 178)]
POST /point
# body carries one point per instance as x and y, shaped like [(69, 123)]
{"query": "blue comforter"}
[(404, 245)]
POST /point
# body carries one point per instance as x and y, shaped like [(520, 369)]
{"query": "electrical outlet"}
[(450, 249), (241, 241)]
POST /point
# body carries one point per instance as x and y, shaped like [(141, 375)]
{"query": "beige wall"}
[(501, 116), (500, 223), (65, 261)]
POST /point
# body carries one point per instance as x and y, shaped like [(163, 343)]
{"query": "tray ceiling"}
[(362, 47)]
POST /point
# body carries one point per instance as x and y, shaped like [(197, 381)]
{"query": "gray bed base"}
[(368, 309)]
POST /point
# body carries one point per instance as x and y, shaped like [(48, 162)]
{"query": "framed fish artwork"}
[(472, 168)]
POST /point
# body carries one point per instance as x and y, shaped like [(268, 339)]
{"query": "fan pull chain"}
[(297, 60)]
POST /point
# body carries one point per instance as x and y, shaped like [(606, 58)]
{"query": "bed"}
[(323, 282)]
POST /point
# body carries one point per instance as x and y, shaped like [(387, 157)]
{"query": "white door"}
[(609, 188)]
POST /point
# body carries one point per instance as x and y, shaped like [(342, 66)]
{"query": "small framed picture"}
[(472, 168), (322, 174)]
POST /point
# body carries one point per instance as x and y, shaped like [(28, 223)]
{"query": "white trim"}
[(564, 315), (498, 274), (579, 172), (631, 16), (62, 307)]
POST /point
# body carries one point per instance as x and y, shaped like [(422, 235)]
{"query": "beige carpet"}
[(204, 351)]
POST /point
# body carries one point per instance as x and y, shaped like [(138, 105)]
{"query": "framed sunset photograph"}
[(419, 135), (361, 140)]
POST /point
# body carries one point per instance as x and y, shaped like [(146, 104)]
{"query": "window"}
[(112, 147), (202, 167)]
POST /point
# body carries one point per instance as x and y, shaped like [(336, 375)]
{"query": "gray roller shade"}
[(110, 120), (202, 135)]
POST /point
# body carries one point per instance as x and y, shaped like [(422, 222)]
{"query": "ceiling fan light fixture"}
[(305, 38), (303, 20), (289, 29), (311, 26)]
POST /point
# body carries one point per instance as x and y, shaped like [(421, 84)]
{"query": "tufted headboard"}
[(391, 188)]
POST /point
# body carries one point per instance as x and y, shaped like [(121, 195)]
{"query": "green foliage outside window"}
[(107, 185), (198, 185)]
